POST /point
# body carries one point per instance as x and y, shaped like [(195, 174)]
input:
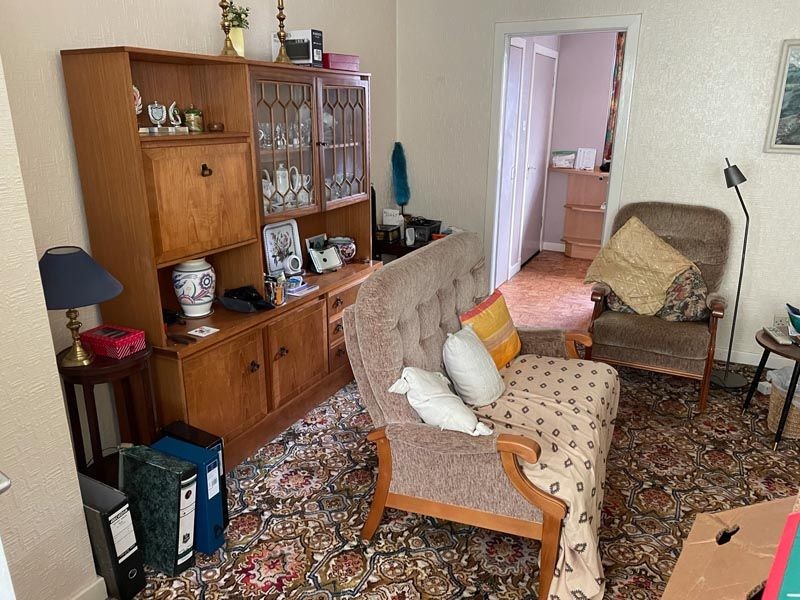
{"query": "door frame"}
[(503, 32), (517, 192)]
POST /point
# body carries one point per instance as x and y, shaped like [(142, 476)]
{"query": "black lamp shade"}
[(733, 176), (71, 279)]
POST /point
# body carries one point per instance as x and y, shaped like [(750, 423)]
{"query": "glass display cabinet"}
[(312, 141)]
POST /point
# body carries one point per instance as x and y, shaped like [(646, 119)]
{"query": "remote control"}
[(782, 337)]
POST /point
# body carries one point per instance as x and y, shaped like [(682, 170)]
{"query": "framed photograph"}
[(784, 123), (281, 241)]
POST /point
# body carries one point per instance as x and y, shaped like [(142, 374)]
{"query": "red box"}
[(345, 62), (113, 341)]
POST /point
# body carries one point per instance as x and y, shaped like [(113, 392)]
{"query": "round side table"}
[(791, 352), (133, 395)]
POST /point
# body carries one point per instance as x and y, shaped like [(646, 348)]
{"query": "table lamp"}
[(725, 378), (72, 279)]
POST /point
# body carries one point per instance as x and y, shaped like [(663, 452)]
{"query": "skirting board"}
[(94, 591), (553, 247), (752, 358)]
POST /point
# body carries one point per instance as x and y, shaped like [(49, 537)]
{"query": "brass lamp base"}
[(78, 356)]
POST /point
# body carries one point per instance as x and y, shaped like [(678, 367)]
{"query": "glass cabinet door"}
[(344, 139), (285, 139)]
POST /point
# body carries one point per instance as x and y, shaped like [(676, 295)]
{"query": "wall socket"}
[(780, 322)]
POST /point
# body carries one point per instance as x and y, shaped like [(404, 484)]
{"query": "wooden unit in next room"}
[(585, 210), (153, 201)]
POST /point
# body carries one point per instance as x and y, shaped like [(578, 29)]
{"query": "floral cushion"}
[(685, 299)]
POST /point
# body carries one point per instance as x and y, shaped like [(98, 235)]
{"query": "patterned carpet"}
[(299, 503)]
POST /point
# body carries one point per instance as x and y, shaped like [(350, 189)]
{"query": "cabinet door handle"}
[(341, 352), (338, 302), (282, 351), (254, 366), (205, 170), (322, 143), (339, 328)]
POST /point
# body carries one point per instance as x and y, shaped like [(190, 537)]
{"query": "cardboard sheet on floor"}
[(731, 570)]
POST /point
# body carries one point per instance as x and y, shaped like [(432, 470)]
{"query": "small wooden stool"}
[(135, 407)]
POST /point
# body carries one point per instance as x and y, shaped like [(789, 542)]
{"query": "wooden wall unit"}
[(585, 211), (151, 203)]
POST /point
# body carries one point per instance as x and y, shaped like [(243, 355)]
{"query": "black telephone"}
[(244, 299)]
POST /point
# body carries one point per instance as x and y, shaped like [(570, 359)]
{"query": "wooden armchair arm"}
[(573, 337), (717, 305), (512, 448), (599, 293)]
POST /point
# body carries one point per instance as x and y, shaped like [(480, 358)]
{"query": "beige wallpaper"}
[(41, 517), (38, 99), (703, 88)]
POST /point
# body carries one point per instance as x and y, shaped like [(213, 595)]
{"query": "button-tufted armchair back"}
[(403, 314), (700, 233)]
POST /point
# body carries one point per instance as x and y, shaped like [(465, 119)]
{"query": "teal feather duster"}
[(402, 193)]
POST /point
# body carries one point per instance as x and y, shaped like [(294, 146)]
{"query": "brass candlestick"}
[(282, 56), (225, 24)]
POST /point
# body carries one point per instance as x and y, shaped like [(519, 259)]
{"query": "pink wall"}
[(583, 94)]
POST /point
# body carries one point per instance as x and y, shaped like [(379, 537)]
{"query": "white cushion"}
[(430, 395), (471, 368)]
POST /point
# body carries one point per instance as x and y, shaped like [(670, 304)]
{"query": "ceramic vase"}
[(237, 38), (194, 282), (346, 246)]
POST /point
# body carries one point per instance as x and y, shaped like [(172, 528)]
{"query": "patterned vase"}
[(194, 282), (346, 246)]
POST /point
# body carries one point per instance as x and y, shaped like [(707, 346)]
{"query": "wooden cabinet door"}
[(200, 198), (226, 390), (343, 123), (297, 350)]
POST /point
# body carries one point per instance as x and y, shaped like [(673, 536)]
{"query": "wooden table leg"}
[(121, 401), (787, 404), (75, 427), (91, 418), (756, 379), (148, 432)]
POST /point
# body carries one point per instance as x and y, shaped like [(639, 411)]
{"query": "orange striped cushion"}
[(492, 323)]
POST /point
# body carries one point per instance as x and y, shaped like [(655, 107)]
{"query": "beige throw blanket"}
[(639, 266), (569, 408)]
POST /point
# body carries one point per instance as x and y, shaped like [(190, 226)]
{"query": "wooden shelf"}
[(595, 173), (175, 261), (185, 58), (594, 243), (231, 323), (181, 138), (585, 208)]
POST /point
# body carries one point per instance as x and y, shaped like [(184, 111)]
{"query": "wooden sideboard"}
[(585, 210), (152, 202)]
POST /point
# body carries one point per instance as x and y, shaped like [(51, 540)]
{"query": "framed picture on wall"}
[(784, 123)]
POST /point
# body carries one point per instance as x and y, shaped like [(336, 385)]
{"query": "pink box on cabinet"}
[(113, 341), (345, 62)]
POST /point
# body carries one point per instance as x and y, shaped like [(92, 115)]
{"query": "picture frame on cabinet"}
[(783, 134), (281, 242)]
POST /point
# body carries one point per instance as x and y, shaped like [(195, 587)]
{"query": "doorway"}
[(518, 166), (560, 87), (527, 122)]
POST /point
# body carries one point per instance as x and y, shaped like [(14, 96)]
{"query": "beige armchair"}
[(686, 349), (402, 316)]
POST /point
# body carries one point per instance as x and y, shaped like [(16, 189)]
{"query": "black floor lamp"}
[(725, 378)]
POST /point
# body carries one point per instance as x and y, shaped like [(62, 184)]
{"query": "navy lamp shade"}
[(725, 378), (71, 279)]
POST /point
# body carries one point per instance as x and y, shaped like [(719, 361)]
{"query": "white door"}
[(6, 589), (508, 169), (545, 63)]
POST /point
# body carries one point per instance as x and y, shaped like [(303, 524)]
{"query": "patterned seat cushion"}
[(569, 408)]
